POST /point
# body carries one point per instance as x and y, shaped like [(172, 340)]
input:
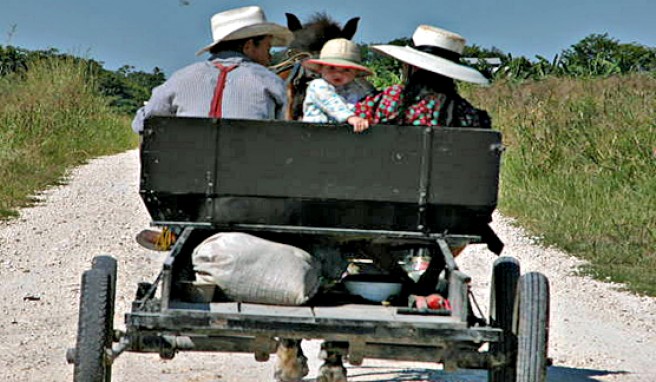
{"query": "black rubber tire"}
[(532, 327), (90, 359), (505, 275), (109, 265)]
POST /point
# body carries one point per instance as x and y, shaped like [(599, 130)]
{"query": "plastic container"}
[(376, 288)]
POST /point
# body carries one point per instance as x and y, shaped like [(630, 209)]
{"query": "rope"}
[(290, 61)]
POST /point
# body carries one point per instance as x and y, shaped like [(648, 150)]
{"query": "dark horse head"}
[(308, 41), (316, 31)]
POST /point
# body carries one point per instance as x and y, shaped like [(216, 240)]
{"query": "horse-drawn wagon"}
[(391, 192)]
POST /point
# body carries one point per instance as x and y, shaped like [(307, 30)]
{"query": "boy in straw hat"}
[(233, 83), (429, 96), (332, 98)]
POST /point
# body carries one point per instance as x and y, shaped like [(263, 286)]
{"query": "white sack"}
[(251, 269)]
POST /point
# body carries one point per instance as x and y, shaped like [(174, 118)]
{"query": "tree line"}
[(125, 87), (595, 55)]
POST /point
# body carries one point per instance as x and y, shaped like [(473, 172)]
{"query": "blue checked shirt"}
[(325, 103), (251, 92)]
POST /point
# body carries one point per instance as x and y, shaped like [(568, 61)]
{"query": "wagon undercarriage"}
[(378, 197)]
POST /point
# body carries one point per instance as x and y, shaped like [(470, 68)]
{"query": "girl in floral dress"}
[(429, 96)]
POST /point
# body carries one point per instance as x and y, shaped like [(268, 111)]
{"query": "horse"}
[(308, 41)]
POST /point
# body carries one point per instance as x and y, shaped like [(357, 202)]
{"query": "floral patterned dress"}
[(428, 109)]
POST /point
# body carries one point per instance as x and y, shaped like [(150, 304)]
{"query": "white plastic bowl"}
[(377, 291)]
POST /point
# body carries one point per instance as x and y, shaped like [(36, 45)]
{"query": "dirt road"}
[(597, 332)]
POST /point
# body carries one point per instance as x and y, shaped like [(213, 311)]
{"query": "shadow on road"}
[(386, 374), (572, 374)]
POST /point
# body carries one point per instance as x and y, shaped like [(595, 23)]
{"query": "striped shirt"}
[(251, 92)]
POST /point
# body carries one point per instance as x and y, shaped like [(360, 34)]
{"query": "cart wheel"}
[(94, 328), (532, 327), (108, 264), (505, 273)]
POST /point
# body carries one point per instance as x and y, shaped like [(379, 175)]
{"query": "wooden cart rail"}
[(335, 323), (399, 178)]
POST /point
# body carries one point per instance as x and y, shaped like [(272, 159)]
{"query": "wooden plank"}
[(353, 312), (433, 321), (224, 307), (316, 161), (381, 314), (276, 311), (390, 332)]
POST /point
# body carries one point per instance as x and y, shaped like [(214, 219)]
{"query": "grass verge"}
[(579, 169), (51, 118)]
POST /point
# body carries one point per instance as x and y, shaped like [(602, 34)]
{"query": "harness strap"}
[(297, 72), (217, 100)]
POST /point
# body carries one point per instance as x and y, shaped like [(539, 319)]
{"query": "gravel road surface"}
[(598, 332)]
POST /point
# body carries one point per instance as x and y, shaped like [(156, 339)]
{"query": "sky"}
[(167, 33)]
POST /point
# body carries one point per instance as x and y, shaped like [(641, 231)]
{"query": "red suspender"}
[(215, 109)]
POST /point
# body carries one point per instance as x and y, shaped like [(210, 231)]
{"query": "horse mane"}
[(310, 36)]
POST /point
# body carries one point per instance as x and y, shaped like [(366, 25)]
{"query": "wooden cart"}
[(390, 191)]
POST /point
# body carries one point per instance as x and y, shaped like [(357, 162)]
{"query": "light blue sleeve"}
[(159, 104), (329, 102)]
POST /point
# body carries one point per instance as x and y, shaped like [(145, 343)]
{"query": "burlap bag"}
[(250, 269)]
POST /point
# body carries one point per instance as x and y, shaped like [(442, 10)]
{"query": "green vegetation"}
[(579, 169), (125, 88), (595, 55), (52, 117)]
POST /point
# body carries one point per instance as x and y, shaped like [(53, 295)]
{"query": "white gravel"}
[(598, 333)]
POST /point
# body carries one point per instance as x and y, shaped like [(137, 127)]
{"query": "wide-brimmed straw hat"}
[(436, 50), (338, 52), (245, 22)]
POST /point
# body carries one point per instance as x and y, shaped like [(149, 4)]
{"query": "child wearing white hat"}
[(332, 98)]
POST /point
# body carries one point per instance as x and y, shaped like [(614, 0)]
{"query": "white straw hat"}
[(245, 22), (436, 50), (338, 52)]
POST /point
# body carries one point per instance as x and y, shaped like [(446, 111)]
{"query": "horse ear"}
[(293, 23), (350, 27)]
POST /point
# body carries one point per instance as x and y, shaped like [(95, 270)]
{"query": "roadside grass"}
[(52, 118), (580, 168)]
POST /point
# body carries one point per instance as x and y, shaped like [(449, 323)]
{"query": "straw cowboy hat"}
[(436, 50), (245, 22), (338, 52)]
